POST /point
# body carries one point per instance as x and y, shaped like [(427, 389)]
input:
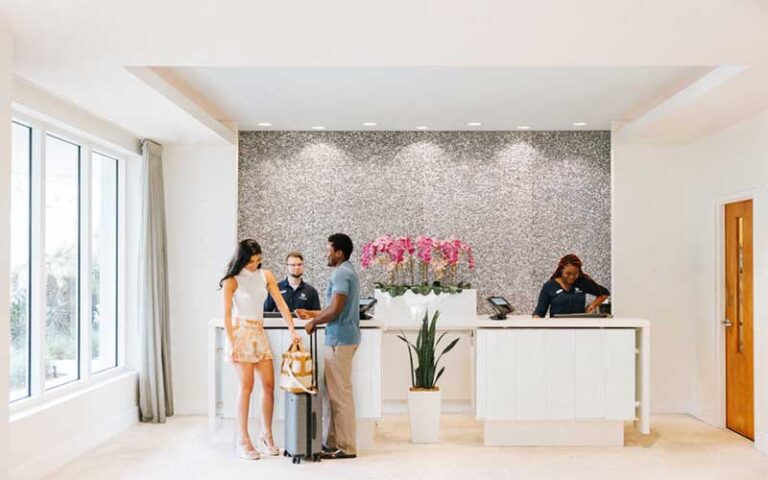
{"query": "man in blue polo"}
[(341, 316), (296, 292)]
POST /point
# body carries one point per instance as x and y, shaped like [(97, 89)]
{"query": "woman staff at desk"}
[(566, 290)]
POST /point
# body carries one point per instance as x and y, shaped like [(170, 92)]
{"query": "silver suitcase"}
[(304, 418)]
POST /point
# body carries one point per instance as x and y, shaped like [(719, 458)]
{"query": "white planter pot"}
[(409, 308), (424, 413)]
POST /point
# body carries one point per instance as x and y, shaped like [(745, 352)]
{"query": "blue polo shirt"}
[(557, 300), (344, 329)]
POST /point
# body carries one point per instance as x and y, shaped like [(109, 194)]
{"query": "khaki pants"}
[(342, 424)]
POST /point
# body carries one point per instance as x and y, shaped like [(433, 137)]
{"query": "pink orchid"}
[(424, 245), (397, 253), (383, 244), (400, 246), (368, 255), (449, 251), (406, 244)]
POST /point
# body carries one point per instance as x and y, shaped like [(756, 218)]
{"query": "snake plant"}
[(426, 375)]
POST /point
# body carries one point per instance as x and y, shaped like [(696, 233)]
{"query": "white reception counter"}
[(561, 381), (535, 381)]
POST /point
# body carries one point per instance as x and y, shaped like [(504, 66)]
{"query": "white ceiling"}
[(86, 52), (440, 98)]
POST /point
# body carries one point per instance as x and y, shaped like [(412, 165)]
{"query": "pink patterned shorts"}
[(251, 342)]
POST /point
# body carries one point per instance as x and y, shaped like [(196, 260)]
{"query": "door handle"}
[(741, 335), (727, 322)]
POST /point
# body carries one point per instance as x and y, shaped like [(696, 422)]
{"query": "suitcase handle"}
[(313, 353), (313, 433)]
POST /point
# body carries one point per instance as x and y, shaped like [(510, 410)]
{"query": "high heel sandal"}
[(243, 452), (264, 447)]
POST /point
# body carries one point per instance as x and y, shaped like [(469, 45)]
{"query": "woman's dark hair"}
[(569, 259), (340, 241), (245, 250)]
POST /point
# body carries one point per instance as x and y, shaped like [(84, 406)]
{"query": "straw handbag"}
[(296, 370)]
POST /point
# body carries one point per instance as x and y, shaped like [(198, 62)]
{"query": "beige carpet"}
[(679, 448)]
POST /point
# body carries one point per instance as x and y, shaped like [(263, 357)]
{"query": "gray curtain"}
[(155, 391)]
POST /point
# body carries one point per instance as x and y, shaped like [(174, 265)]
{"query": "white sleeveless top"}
[(248, 300)]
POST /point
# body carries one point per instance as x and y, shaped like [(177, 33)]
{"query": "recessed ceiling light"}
[(318, 128), (523, 127), (579, 124), (422, 127), (264, 124), (370, 124), (474, 124)]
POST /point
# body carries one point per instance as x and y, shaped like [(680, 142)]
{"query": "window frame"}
[(38, 394), (119, 268), (28, 393)]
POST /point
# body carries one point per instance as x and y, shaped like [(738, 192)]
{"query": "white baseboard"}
[(50, 459), (761, 442), (705, 414)]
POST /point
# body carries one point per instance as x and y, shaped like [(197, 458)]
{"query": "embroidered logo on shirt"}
[(303, 296)]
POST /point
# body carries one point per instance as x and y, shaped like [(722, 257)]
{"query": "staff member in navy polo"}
[(566, 290), (296, 292)]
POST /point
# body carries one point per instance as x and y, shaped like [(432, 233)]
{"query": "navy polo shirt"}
[(557, 300), (305, 297)]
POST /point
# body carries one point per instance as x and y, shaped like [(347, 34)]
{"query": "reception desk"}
[(561, 381), (530, 381)]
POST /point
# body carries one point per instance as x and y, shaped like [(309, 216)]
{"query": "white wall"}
[(30, 98), (651, 269), (6, 64), (667, 254), (201, 212), (46, 438), (78, 420)]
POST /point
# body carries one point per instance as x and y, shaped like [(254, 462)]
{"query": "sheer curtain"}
[(155, 390)]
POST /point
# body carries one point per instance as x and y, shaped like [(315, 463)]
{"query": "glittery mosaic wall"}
[(521, 199)]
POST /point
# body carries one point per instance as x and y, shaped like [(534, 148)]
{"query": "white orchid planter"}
[(455, 308)]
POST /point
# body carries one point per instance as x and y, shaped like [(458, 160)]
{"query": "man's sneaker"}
[(337, 454)]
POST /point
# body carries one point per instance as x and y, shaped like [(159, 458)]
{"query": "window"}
[(62, 260), (21, 160), (65, 271), (104, 216)]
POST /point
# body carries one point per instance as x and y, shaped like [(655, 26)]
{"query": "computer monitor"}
[(277, 315), (501, 306), (365, 305)]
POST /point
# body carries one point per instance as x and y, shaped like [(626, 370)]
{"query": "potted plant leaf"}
[(424, 397)]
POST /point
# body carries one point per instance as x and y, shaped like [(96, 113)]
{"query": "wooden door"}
[(739, 357)]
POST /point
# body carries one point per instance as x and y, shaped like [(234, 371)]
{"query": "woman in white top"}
[(245, 288)]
